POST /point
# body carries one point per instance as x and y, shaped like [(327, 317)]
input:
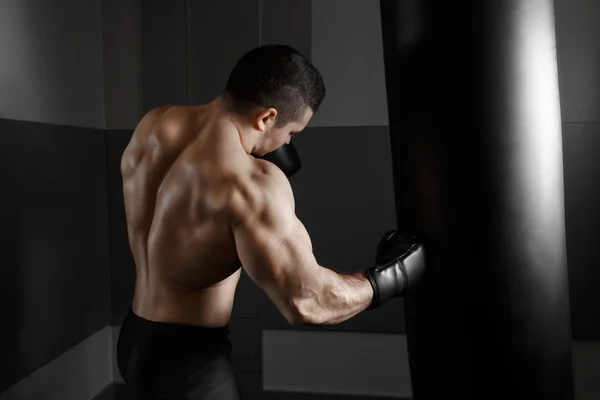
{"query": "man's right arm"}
[(275, 250)]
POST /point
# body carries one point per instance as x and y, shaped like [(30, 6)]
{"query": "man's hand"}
[(400, 265)]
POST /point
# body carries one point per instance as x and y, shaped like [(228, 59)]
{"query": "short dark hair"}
[(275, 76)]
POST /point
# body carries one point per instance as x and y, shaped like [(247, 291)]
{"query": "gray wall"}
[(578, 37), (51, 65), (578, 34), (62, 83), (350, 58), (121, 63), (54, 243)]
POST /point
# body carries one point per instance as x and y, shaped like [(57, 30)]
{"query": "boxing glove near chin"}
[(400, 263), (285, 157)]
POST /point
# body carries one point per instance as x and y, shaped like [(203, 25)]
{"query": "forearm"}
[(339, 298)]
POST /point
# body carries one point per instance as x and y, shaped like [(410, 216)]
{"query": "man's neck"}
[(218, 110)]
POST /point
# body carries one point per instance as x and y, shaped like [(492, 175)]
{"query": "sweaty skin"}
[(188, 178)]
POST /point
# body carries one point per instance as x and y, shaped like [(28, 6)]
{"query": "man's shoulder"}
[(150, 121), (155, 114), (260, 184), (171, 116), (267, 175)]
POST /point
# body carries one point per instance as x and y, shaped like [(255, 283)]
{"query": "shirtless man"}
[(202, 202)]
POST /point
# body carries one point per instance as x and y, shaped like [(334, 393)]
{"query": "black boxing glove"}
[(400, 263), (285, 157)]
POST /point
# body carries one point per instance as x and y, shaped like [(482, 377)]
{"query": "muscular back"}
[(198, 207), (178, 172)]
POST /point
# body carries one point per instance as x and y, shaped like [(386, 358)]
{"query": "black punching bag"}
[(476, 140)]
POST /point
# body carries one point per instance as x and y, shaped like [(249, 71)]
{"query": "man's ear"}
[(265, 119)]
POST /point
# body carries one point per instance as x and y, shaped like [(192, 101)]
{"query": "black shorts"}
[(159, 360)]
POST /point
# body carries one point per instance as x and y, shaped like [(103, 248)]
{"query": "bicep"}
[(274, 254), (275, 250)]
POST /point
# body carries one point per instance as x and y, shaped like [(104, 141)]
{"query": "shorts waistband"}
[(165, 327)]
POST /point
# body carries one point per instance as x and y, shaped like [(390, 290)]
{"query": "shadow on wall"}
[(54, 243), (10, 260)]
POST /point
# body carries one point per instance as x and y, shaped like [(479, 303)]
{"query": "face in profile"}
[(274, 136)]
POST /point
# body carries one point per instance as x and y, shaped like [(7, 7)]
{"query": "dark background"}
[(75, 77)]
